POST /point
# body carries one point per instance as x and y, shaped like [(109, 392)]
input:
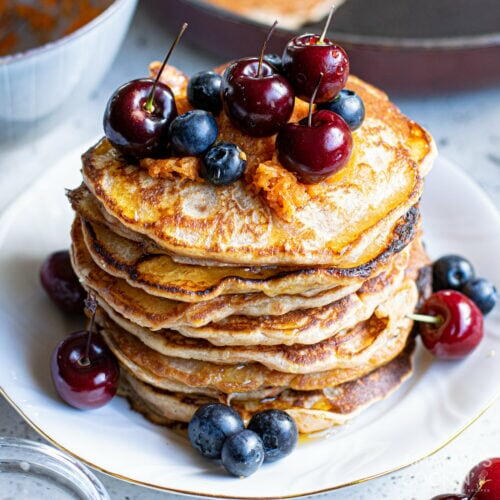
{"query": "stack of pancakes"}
[(208, 294)]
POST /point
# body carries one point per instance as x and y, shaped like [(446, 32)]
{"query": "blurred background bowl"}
[(47, 82), (399, 45)]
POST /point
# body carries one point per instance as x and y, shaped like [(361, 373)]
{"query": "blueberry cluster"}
[(217, 432), (452, 272)]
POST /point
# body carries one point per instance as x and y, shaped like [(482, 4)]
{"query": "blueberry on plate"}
[(243, 453), (278, 432), (203, 91), (451, 272), (211, 425), (275, 61), (482, 292), (223, 164), (192, 133), (349, 106)]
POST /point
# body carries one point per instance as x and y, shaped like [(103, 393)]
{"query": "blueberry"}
[(349, 106), (451, 272), (192, 133), (211, 425), (223, 164), (274, 60), (278, 432), (243, 453), (482, 292), (203, 91)]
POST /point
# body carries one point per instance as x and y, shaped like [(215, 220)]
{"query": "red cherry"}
[(134, 129), (458, 328), (61, 283), (307, 56), (316, 151), (85, 374), (483, 481), (257, 99), (138, 115)]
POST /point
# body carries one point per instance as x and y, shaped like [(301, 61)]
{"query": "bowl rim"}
[(70, 464), (46, 47), (484, 40)]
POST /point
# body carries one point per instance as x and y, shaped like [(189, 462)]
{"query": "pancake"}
[(157, 313), (312, 410), (85, 204), (159, 275), (350, 220), (346, 349), (290, 14), (304, 326), (164, 372)]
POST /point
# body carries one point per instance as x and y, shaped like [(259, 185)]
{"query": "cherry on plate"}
[(457, 327), (85, 379), (483, 481), (61, 283)]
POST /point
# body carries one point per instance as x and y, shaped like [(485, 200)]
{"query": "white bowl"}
[(37, 83)]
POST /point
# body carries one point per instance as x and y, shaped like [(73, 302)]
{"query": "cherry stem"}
[(263, 50), (327, 25), (311, 102), (149, 103), (91, 305), (425, 318)]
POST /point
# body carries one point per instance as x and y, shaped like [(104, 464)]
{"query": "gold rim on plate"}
[(208, 495)]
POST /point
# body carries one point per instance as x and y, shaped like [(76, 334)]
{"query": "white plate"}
[(438, 402)]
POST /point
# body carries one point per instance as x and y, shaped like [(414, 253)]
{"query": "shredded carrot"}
[(171, 168), (279, 188)]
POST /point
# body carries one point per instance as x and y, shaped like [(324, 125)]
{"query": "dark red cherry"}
[(257, 99), (305, 57), (138, 115), (131, 127), (483, 481), (317, 151), (457, 326), (61, 283), (82, 380)]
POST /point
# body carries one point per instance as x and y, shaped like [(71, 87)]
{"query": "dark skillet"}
[(403, 45)]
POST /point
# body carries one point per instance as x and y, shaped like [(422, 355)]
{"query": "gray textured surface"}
[(466, 128)]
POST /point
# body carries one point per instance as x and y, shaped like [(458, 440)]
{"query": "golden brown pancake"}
[(156, 312), (305, 326), (158, 274), (349, 220), (346, 349), (312, 410), (162, 371)]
